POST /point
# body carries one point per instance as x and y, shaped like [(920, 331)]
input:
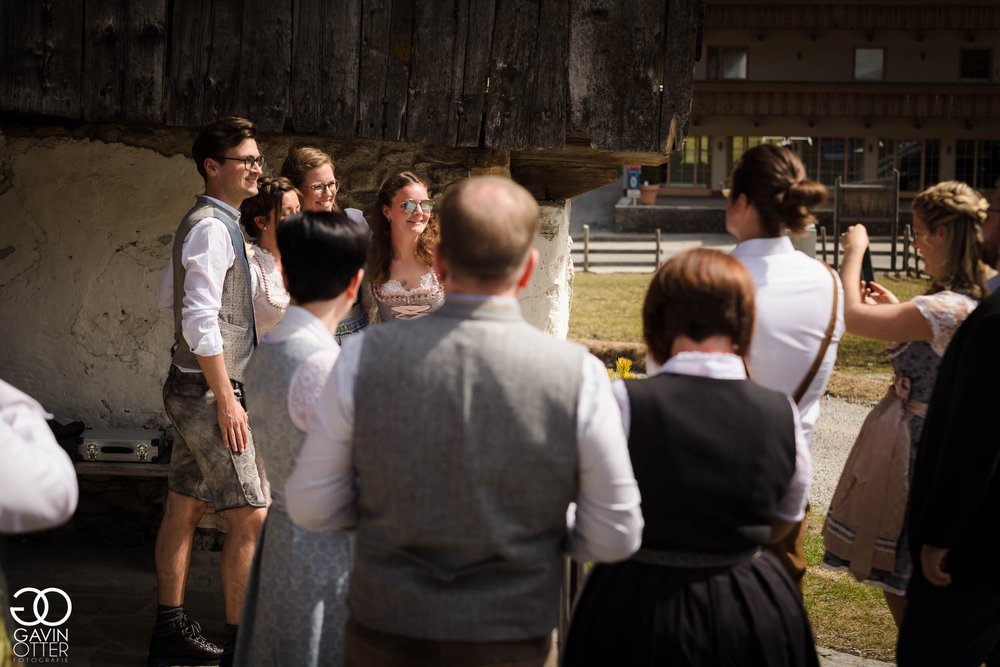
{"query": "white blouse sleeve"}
[(792, 507), (307, 384), (945, 312)]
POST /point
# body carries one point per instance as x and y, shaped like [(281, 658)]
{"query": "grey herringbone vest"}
[(236, 323), (465, 451), (276, 437)]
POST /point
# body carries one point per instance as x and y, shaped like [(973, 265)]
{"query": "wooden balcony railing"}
[(864, 100)]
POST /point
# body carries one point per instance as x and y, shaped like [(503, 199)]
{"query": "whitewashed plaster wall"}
[(86, 233), (86, 228), (545, 302)]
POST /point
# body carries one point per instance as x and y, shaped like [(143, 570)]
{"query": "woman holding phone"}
[(864, 530)]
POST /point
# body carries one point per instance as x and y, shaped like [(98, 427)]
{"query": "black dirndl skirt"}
[(634, 613)]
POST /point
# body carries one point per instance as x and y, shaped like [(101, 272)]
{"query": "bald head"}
[(488, 228)]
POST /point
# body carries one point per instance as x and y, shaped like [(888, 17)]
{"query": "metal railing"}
[(615, 251), (902, 259)]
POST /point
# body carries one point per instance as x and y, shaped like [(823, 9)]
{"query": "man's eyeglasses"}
[(248, 161), (410, 205), (318, 188)]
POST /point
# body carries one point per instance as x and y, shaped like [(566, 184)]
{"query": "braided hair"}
[(961, 211)]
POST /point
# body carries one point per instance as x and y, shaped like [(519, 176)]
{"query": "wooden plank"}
[(21, 30), (397, 73), (373, 64), (439, 27), (42, 47), (678, 75), (386, 50), (474, 63), (323, 94), (113, 469), (261, 86), (615, 56), (513, 75), (204, 61), (146, 49), (548, 122), (105, 38)]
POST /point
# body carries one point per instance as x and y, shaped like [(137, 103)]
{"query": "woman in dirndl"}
[(723, 467), (864, 529)]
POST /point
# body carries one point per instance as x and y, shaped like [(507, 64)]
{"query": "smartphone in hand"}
[(867, 272)]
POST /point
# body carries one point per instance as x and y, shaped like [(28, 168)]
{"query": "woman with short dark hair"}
[(295, 606), (722, 468)]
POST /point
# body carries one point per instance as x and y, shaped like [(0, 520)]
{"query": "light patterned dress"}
[(296, 600), (916, 365)]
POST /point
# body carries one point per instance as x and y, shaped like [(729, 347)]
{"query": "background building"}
[(857, 88)]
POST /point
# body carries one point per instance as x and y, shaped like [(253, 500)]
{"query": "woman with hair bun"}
[(864, 529), (723, 468), (799, 299), (400, 276)]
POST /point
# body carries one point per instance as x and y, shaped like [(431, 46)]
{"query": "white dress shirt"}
[(794, 299), (721, 366), (310, 377), (206, 255), (608, 523), (38, 486)]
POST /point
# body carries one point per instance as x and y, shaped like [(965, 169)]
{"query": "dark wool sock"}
[(166, 614), (231, 631)]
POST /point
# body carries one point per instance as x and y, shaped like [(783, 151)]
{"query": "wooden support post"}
[(907, 239), (656, 262), (822, 243)]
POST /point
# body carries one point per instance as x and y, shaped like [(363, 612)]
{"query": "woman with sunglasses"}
[(260, 215), (311, 170), (401, 281)]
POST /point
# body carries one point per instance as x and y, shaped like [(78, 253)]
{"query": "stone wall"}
[(88, 220)]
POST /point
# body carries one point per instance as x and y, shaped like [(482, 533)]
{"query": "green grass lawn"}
[(846, 616), (608, 307)]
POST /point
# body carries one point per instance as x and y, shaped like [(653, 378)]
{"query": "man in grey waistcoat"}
[(455, 444), (207, 294)]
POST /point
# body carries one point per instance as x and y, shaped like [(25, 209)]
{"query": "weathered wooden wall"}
[(496, 74)]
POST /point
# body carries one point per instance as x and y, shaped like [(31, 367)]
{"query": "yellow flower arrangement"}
[(622, 370)]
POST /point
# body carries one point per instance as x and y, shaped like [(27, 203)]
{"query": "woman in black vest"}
[(723, 468)]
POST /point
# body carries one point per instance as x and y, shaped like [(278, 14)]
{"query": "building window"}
[(916, 160), (977, 162), (689, 166), (976, 64), (726, 63), (869, 64), (740, 145), (826, 158)]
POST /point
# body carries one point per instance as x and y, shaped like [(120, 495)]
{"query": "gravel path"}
[(838, 425)]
